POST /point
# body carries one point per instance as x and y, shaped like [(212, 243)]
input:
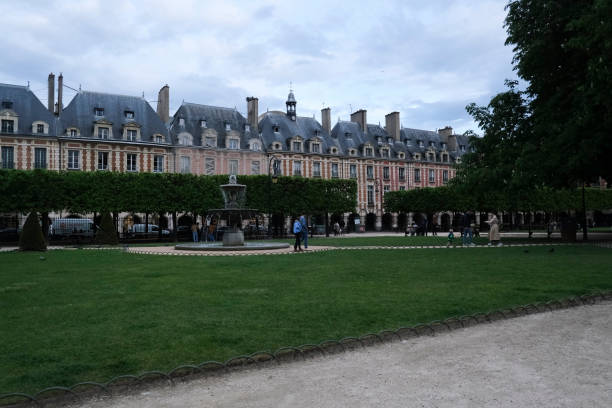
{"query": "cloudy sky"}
[(424, 59)]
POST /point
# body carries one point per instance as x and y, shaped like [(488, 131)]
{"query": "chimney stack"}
[(361, 117), (392, 124), (163, 103), (60, 91), (51, 94), (326, 119), (448, 137), (253, 113)]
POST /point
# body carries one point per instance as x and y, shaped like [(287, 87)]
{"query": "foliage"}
[(457, 198), (107, 233), (82, 192), (31, 238)]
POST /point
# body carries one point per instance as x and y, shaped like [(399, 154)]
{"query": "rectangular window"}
[(233, 167), (297, 146), (99, 111), (102, 160), (131, 135), (7, 105), (8, 157), (185, 164), (40, 128), (386, 173), (7, 126), (386, 188), (316, 169), (209, 165), (203, 123), (131, 162), (158, 164), (210, 141), (73, 159), (417, 175), (432, 176), (353, 171), (297, 168), (402, 173), (369, 151), (255, 167), (370, 172), (159, 139), (370, 196), (102, 133), (129, 114), (315, 148), (402, 188), (227, 127), (40, 158), (334, 170), (73, 132), (445, 176), (234, 144)]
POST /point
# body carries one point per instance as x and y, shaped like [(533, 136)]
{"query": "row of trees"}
[(82, 192), (457, 199)]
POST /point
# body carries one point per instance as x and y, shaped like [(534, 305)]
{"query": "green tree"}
[(107, 233), (31, 238)]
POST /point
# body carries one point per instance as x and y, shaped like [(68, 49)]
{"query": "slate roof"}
[(80, 114), (304, 127), (216, 117), (28, 107)]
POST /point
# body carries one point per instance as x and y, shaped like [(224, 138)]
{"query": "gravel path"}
[(555, 359)]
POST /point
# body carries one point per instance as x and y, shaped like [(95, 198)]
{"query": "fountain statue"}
[(234, 198)]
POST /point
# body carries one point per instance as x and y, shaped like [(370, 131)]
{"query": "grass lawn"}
[(86, 315)]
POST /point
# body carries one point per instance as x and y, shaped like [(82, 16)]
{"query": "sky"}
[(424, 59)]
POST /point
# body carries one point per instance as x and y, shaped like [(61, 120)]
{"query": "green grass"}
[(86, 315)]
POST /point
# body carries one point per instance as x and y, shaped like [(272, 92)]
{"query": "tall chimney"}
[(361, 117), (163, 103), (60, 91), (253, 113), (446, 134), (51, 94), (326, 119), (392, 123)]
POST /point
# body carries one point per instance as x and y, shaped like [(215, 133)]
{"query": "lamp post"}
[(273, 171)]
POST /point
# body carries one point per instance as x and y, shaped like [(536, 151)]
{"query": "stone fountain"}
[(234, 197)]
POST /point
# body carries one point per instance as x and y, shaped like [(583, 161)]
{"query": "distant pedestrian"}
[(466, 223), (494, 231), (336, 229), (297, 231), (304, 230), (194, 231), (451, 238)]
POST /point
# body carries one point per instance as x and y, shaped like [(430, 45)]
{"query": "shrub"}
[(32, 238), (107, 234)]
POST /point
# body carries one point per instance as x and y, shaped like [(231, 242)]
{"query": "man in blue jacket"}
[(297, 231), (304, 231)]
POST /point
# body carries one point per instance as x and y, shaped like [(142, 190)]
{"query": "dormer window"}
[(158, 139), (431, 157), (421, 144), (276, 146), (203, 123), (103, 133), (334, 150), (353, 152), (255, 146), (227, 127), (443, 146), (379, 140), (408, 142), (40, 128), (390, 140), (73, 133), (99, 111), (185, 139), (445, 158), (128, 114), (401, 155), (347, 135), (234, 144), (247, 128), (210, 141), (462, 148), (275, 128), (417, 156), (384, 152), (368, 151), (315, 148), (432, 144), (131, 135), (182, 122), (296, 146), (317, 132), (7, 105)]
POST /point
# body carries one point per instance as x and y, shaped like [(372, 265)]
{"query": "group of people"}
[(468, 229), (300, 230), (209, 230)]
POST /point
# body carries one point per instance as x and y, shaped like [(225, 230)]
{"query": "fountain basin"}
[(220, 246)]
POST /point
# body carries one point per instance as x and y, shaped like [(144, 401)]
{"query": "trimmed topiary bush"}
[(107, 233), (32, 238)]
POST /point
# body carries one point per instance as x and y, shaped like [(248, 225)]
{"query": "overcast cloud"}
[(424, 59)]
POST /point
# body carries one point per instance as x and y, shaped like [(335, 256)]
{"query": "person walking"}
[(194, 231), (494, 231), (451, 238), (304, 230), (466, 221), (297, 231)]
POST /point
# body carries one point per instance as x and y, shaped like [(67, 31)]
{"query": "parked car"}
[(9, 235), (139, 230), (71, 227)]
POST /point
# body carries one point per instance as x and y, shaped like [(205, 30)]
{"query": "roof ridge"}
[(111, 94), (209, 106), (15, 86)]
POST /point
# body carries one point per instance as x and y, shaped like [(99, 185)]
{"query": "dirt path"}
[(555, 359)]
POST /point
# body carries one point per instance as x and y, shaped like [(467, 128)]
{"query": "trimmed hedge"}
[(107, 233), (31, 238)]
